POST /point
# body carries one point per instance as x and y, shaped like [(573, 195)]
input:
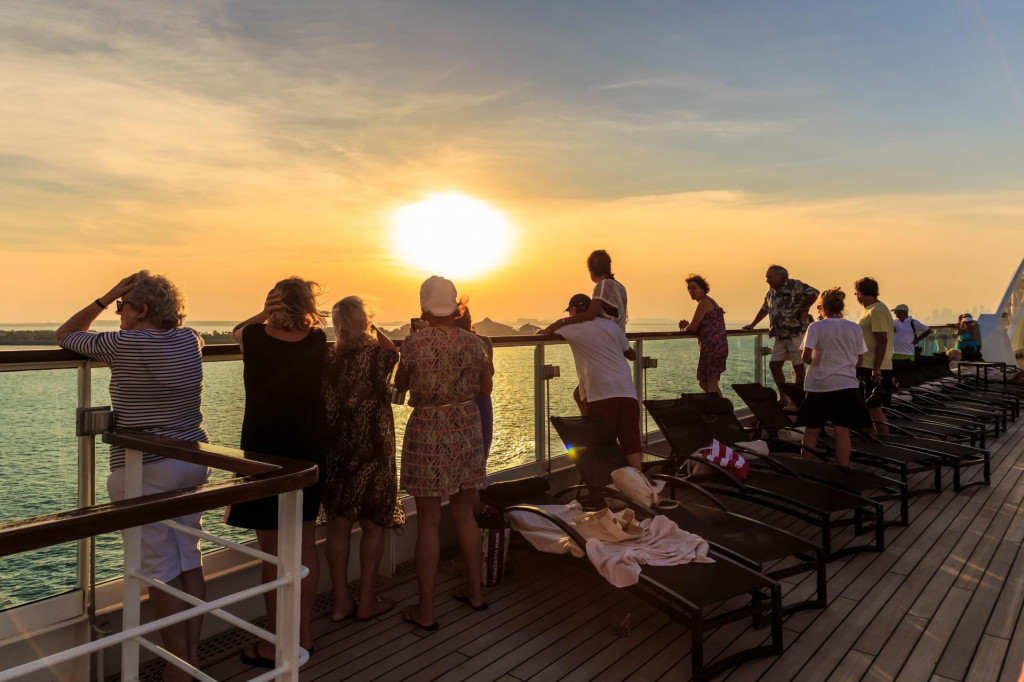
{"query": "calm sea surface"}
[(39, 461)]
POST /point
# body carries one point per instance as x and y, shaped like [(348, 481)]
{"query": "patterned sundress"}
[(442, 452), (359, 472), (714, 344)]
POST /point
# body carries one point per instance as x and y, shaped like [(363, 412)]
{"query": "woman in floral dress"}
[(709, 326), (360, 477), (443, 367)]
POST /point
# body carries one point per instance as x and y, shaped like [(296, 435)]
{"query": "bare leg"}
[(371, 549), (799, 372), (775, 366), (193, 583), (635, 460), (339, 539), (877, 415), (811, 442), (268, 543), (842, 438), (710, 385), (309, 583), (173, 637), (428, 552), (580, 402), (460, 505)]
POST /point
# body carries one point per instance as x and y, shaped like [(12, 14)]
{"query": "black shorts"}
[(875, 395), (844, 407)]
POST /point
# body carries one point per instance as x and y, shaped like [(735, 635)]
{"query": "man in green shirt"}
[(875, 371)]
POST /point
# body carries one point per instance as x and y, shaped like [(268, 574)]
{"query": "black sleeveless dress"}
[(284, 413)]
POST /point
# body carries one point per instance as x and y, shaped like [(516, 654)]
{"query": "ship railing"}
[(259, 476), (80, 593)]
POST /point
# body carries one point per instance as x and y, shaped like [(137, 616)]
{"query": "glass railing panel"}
[(38, 475), (562, 403), (676, 372)]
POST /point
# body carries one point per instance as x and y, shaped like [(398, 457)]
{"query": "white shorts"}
[(787, 349), (166, 553)]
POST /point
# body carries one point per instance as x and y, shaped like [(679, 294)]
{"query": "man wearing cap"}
[(601, 352), (907, 332), (786, 305)]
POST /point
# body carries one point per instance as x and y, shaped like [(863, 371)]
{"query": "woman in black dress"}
[(359, 473), (283, 352)]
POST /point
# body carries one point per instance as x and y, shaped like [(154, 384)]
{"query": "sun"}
[(452, 235)]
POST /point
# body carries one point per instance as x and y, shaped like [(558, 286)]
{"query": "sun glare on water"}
[(451, 235)]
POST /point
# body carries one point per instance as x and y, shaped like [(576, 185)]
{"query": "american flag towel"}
[(724, 456)]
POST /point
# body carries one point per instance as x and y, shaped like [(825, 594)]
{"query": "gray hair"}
[(779, 269), (351, 323), (164, 300)]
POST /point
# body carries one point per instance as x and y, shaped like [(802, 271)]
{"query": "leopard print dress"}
[(359, 472)]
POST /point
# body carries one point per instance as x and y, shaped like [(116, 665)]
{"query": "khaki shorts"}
[(787, 349)]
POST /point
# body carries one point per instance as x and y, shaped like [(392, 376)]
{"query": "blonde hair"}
[(465, 318), (164, 300), (300, 305), (351, 323), (832, 302)]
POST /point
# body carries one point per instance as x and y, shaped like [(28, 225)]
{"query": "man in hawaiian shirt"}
[(786, 305)]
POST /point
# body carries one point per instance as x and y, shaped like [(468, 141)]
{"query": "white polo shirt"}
[(597, 348)]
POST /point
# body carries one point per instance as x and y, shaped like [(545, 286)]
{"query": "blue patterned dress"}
[(442, 452)]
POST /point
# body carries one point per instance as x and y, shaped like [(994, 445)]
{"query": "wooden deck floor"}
[(942, 602)]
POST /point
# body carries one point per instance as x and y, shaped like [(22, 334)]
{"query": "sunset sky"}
[(231, 144)]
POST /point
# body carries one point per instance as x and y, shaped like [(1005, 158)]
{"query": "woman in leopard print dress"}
[(359, 471)]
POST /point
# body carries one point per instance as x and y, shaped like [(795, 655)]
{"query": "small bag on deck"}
[(495, 533)]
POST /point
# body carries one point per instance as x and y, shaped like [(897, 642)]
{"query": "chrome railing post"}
[(638, 367), (540, 386), (289, 565), (759, 358), (86, 483), (132, 586)]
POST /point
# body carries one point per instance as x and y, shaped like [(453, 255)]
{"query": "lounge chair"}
[(902, 463), (719, 416), (692, 594), (821, 506), (596, 454)]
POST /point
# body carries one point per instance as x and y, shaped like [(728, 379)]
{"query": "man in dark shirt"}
[(786, 305)]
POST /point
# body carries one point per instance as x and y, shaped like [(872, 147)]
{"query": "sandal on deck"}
[(458, 595), (256, 659), (409, 619)]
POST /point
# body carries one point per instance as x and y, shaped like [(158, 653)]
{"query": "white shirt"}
[(610, 291), (597, 348), (836, 343), (904, 333)]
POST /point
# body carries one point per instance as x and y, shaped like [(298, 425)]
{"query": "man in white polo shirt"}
[(601, 352), (906, 333)]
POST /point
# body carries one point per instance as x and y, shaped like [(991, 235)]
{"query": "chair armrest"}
[(574, 536), (708, 495)]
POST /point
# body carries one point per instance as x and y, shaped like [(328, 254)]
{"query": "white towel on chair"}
[(661, 543)]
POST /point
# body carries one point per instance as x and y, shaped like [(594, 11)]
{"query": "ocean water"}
[(39, 461)]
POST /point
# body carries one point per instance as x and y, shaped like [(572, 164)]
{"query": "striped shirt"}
[(156, 381)]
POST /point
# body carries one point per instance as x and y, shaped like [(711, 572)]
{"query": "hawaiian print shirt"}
[(785, 310)]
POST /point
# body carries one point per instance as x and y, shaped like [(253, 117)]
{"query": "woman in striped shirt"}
[(156, 385)]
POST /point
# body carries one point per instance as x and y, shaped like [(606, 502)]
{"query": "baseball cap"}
[(903, 307), (578, 301)]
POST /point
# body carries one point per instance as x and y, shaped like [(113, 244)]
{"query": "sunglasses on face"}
[(120, 305)]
